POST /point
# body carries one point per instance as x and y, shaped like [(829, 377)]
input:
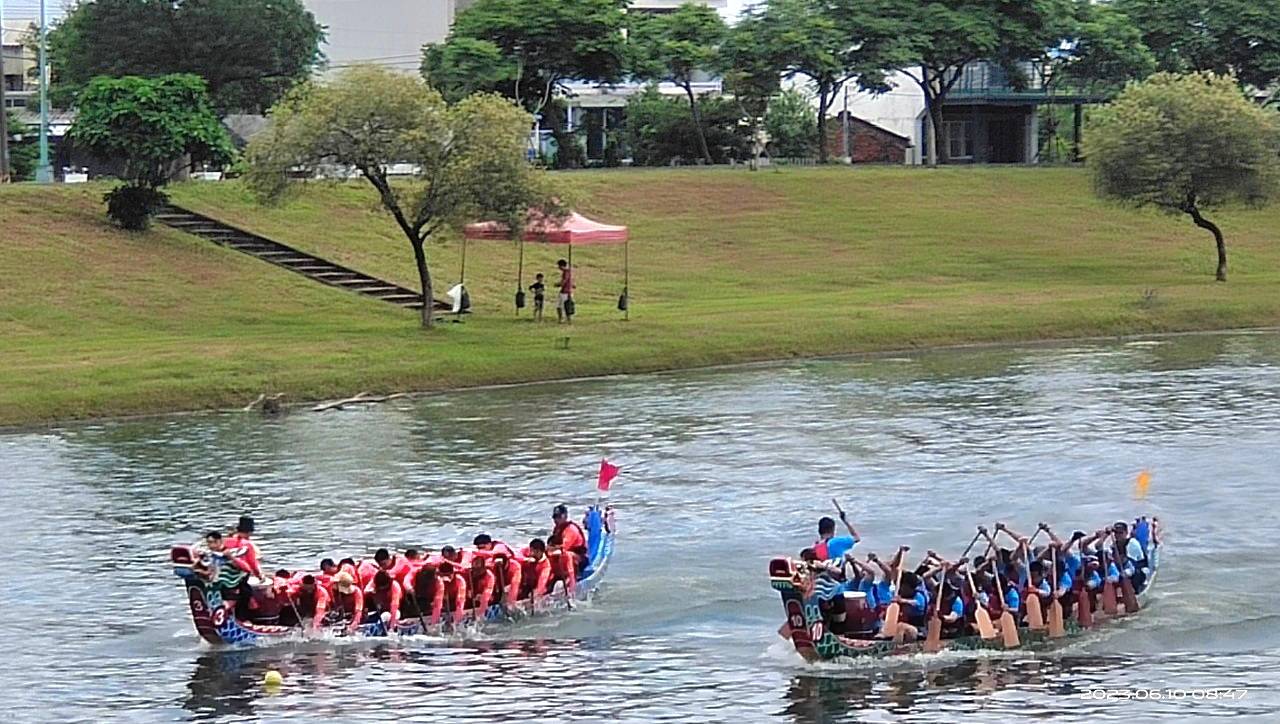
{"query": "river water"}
[(721, 469)]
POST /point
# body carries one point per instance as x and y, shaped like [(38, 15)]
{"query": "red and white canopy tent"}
[(573, 229)]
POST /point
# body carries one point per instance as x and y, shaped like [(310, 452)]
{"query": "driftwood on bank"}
[(270, 404), (361, 399)]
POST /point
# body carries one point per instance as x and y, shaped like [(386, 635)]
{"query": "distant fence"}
[(793, 161)]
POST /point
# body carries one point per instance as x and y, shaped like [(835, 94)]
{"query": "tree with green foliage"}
[(1098, 52), (660, 130), (1241, 37), (249, 52), (946, 36), (1183, 143), (1101, 50), (789, 124), (831, 43), (527, 50), (23, 153), (751, 75), (150, 124), (675, 47), (469, 156)]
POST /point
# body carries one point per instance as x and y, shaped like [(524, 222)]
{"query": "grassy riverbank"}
[(726, 266)]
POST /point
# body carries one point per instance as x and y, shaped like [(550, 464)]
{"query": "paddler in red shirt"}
[(413, 562), (383, 597), (396, 566), (348, 600), (311, 599), (349, 566), (481, 582), (328, 569), (506, 566), (537, 570), (562, 563), (572, 538), (451, 582)]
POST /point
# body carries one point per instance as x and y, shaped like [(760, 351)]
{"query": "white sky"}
[(736, 6)]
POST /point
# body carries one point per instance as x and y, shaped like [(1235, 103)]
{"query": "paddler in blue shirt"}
[(881, 592), (1135, 556), (829, 546)]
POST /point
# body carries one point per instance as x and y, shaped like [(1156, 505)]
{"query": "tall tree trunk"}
[(697, 123), (822, 123), (1212, 228), (424, 277), (566, 144), (930, 128), (940, 154), (378, 178)]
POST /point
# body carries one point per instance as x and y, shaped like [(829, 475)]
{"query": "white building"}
[(385, 32), (18, 64)]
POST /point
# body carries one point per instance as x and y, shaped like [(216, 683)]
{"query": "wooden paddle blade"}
[(986, 629), (1129, 596), (1056, 629), (1009, 630), (1084, 609), (1035, 615), (891, 615), (1109, 598), (933, 642)]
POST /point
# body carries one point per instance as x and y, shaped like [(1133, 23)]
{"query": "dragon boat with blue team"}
[(216, 621), (806, 597)]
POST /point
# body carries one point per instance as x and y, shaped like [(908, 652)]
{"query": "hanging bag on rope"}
[(569, 307), (519, 299), (465, 304), (622, 300)]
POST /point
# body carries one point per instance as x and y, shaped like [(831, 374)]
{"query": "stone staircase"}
[(312, 267)]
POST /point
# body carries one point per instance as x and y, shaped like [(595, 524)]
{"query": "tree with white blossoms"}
[(469, 157), (1185, 143)]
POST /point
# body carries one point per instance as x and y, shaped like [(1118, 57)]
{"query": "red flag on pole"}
[(608, 472)]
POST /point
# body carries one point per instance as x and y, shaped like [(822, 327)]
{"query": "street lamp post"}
[(44, 172), (4, 110)]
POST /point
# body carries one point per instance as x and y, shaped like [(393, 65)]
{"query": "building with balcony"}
[(19, 65), (986, 117)]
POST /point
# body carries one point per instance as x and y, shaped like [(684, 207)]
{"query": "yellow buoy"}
[(1142, 484), (273, 678)]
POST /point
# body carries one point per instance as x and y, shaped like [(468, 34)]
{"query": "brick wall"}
[(868, 143)]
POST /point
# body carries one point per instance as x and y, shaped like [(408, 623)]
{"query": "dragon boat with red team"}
[(215, 619)]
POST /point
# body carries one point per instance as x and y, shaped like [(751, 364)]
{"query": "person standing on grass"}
[(564, 303), (539, 289)]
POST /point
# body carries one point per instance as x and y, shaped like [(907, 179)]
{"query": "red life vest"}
[(820, 549), (309, 604), (483, 582), (572, 538)]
